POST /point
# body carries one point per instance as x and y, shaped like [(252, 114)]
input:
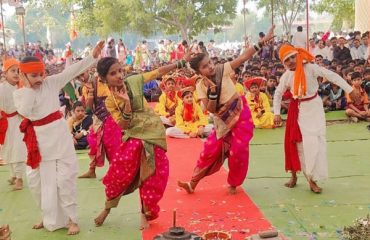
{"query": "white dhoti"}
[(53, 185), (176, 132), (1, 154), (14, 149), (17, 170), (312, 149)]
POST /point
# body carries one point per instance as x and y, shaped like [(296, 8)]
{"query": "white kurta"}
[(53, 184), (54, 139), (14, 149), (311, 119)]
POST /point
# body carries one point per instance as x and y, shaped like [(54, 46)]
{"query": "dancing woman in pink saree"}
[(232, 119), (140, 161)]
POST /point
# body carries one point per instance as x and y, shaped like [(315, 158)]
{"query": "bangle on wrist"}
[(212, 97), (181, 64), (126, 116)]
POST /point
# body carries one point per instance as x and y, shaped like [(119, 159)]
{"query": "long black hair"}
[(30, 59)]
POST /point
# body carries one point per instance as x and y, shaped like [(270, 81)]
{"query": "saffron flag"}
[(72, 32)]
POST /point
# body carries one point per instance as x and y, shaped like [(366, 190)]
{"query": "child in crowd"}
[(14, 149), (259, 104), (366, 82), (358, 110), (335, 99), (190, 119), (270, 88), (234, 75), (79, 125), (168, 102), (152, 91)]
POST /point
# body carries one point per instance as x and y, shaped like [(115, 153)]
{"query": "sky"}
[(251, 6)]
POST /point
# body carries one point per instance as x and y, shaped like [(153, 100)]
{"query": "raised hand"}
[(120, 93), (277, 120), (98, 48), (25, 82), (209, 83), (269, 35)]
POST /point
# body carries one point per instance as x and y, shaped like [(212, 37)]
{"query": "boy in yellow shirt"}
[(168, 102), (190, 119), (259, 104)]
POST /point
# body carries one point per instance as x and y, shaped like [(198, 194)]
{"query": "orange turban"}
[(32, 67), (8, 63), (300, 85), (185, 90)]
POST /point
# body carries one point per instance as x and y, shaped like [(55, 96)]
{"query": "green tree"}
[(187, 17), (286, 10), (343, 11), (37, 20)]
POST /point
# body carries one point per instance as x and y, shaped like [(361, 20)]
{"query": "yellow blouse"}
[(112, 104)]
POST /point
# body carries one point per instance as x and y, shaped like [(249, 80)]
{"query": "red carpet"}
[(210, 207)]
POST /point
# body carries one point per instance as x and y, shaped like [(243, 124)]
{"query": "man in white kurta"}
[(53, 183), (14, 149), (311, 117)]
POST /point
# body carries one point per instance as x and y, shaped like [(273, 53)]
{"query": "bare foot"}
[(2, 162), (18, 184), (144, 222), (5, 232), (73, 228), (186, 185), (314, 188), (11, 180), (292, 182), (101, 218), (38, 226), (89, 174), (232, 190)]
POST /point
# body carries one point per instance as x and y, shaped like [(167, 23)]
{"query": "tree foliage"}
[(286, 10), (187, 17), (343, 11)]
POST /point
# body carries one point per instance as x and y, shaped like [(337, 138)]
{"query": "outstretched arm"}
[(72, 71), (249, 52), (166, 69)]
